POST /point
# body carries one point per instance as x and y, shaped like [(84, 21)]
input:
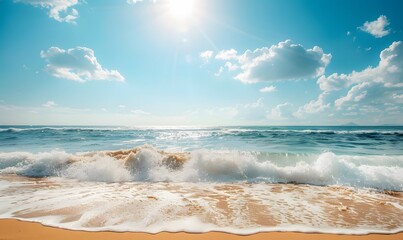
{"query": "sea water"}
[(196, 179)]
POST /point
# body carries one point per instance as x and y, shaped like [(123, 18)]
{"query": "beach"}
[(20, 230), (201, 119), (193, 190), (240, 208)]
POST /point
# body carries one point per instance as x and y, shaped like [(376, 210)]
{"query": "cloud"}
[(268, 89), (77, 64), (356, 94), (254, 111), (313, 106), (137, 1), (49, 104), (280, 112), (284, 61), (334, 82), (230, 66), (133, 1), (60, 10), (376, 28), (206, 55), (140, 112), (227, 55), (370, 92), (388, 73)]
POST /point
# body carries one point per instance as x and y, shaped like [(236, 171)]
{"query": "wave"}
[(315, 131), (147, 164), (67, 129), (213, 130)]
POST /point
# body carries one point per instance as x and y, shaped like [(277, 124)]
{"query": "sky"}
[(201, 62)]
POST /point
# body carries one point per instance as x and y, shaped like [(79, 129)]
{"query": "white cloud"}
[(227, 55), (122, 106), (49, 104), (313, 106), (206, 55), (268, 89), (377, 28), (137, 1), (60, 10), (356, 94), (284, 61), (254, 111), (77, 64), (140, 112), (230, 66), (133, 1), (280, 112), (389, 72), (219, 72), (334, 82), (371, 91)]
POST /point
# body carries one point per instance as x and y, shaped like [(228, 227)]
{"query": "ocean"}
[(235, 179)]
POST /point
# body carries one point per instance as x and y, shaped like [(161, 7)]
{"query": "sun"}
[(181, 10)]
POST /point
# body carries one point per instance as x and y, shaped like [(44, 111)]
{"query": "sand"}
[(19, 230)]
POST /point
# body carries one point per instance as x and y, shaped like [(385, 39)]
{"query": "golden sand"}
[(19, 230)]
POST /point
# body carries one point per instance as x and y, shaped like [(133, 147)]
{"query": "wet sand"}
[(20, 230), (236, 208)]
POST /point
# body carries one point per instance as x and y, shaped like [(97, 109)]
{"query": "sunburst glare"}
[(181, 10)]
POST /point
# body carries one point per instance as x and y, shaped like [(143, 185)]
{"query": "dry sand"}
[(19, 230)]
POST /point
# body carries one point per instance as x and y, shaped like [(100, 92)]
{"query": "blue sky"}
[(201, 62)]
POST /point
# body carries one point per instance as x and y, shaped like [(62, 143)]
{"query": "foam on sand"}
[(240, 208)]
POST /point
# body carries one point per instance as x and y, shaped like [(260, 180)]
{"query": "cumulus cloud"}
[(388, 73), (284, 61), (376, 28), (60, 10), (77, 64), (49, 104), (227, 54), (313, 106), (231, 66), (356, 94), (280, 112), (206, 55), (372, 90), (268, 89)]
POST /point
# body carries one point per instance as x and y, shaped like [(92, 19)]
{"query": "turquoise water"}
[(363, 157), (176, 179), (339, 140)]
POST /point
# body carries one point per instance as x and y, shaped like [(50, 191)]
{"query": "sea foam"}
[(147, 164)]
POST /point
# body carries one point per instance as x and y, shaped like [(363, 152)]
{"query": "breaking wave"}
[(147, 164)]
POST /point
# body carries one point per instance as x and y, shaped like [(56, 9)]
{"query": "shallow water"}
[(199, 207)]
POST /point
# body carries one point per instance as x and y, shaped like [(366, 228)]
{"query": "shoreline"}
[(12, 229)]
